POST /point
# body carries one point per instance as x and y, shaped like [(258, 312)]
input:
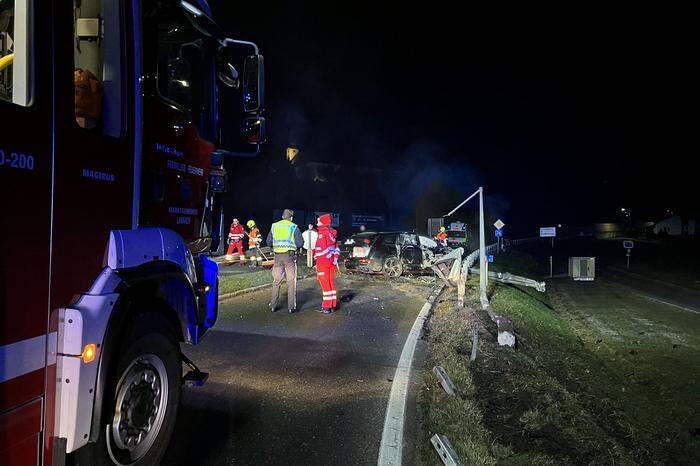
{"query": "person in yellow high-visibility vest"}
[(284, 239)]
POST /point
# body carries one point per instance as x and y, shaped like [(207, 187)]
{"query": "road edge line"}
[(391, 447)]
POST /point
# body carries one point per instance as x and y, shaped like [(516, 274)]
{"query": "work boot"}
[(324, 310), (292, 311)]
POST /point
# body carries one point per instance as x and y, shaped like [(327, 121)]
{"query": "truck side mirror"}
[(241, 126), (253, 83)]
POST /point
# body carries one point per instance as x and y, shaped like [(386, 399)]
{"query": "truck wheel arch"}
[(141, 292)]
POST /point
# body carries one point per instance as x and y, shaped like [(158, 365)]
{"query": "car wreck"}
[(393, 254)]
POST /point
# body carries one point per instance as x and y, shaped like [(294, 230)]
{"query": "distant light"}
[(89, 353)]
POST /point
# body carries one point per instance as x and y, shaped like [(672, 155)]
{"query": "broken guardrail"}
[(445, 380), (506, 332), (445, 450), (507, 277), (447, 267)]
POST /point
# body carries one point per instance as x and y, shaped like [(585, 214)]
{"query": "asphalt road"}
[(302, 388), (657, 290)]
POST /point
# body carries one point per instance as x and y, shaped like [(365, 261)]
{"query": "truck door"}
[(25, 222), (94, 139)]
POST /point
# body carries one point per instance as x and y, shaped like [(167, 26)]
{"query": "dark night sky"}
[(566, 114)]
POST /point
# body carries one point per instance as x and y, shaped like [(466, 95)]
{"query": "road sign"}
[(548, 232), (628, 244), (499, 233), (499, 224), (489, 258)]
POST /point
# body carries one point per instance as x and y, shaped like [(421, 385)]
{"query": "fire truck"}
[(115, 119)]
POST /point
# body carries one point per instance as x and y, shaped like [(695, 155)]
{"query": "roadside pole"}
[(551, 259), (549, 232), (483, 272), (498, 224), (628, 245)]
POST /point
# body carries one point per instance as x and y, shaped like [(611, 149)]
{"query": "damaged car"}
[(393, 253)]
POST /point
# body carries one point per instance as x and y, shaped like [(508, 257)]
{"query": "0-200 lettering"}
[(15, 160)]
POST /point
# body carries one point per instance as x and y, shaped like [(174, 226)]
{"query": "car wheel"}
[(145, 394), (393, 267)]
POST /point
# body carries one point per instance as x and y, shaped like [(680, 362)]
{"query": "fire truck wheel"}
[(142, 404)]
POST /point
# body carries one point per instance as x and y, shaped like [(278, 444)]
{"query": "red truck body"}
[(92, 210)]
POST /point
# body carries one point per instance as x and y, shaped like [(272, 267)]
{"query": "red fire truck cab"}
[(115, 117)]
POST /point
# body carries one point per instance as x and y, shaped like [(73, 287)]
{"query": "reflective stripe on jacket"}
[(326, 251)]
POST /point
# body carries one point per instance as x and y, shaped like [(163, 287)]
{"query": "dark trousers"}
[(285, 267)]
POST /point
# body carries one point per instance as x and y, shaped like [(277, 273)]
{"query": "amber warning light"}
[(89, 353)]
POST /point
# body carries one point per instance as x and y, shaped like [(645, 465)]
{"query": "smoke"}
[(293, 126), (429, 180)]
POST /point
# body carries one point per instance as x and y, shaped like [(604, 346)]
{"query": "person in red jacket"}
[(326, 253), (235, 237)]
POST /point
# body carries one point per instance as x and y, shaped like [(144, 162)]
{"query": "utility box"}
[(582, 268)]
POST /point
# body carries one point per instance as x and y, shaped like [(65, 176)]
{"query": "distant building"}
[(608, 230), (675, 226)]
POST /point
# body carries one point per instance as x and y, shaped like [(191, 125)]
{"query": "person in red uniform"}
[(326, 253), (235, 236)]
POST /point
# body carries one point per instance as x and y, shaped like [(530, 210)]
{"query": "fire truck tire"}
[(140, 410)]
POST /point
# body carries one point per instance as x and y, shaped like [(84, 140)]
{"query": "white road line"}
[(391, 448), (669, 304)]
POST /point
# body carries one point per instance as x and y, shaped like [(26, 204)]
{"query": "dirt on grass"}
[(597, 377)]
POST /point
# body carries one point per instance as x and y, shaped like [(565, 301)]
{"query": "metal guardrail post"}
[(445, 450), (445, 381)]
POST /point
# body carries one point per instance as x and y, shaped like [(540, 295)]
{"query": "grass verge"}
[(598, 377), (262, 276)]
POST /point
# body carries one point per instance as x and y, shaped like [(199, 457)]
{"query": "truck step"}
[(195, 378)]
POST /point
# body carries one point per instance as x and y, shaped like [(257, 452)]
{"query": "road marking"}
[(391, 448), (670, 304)]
